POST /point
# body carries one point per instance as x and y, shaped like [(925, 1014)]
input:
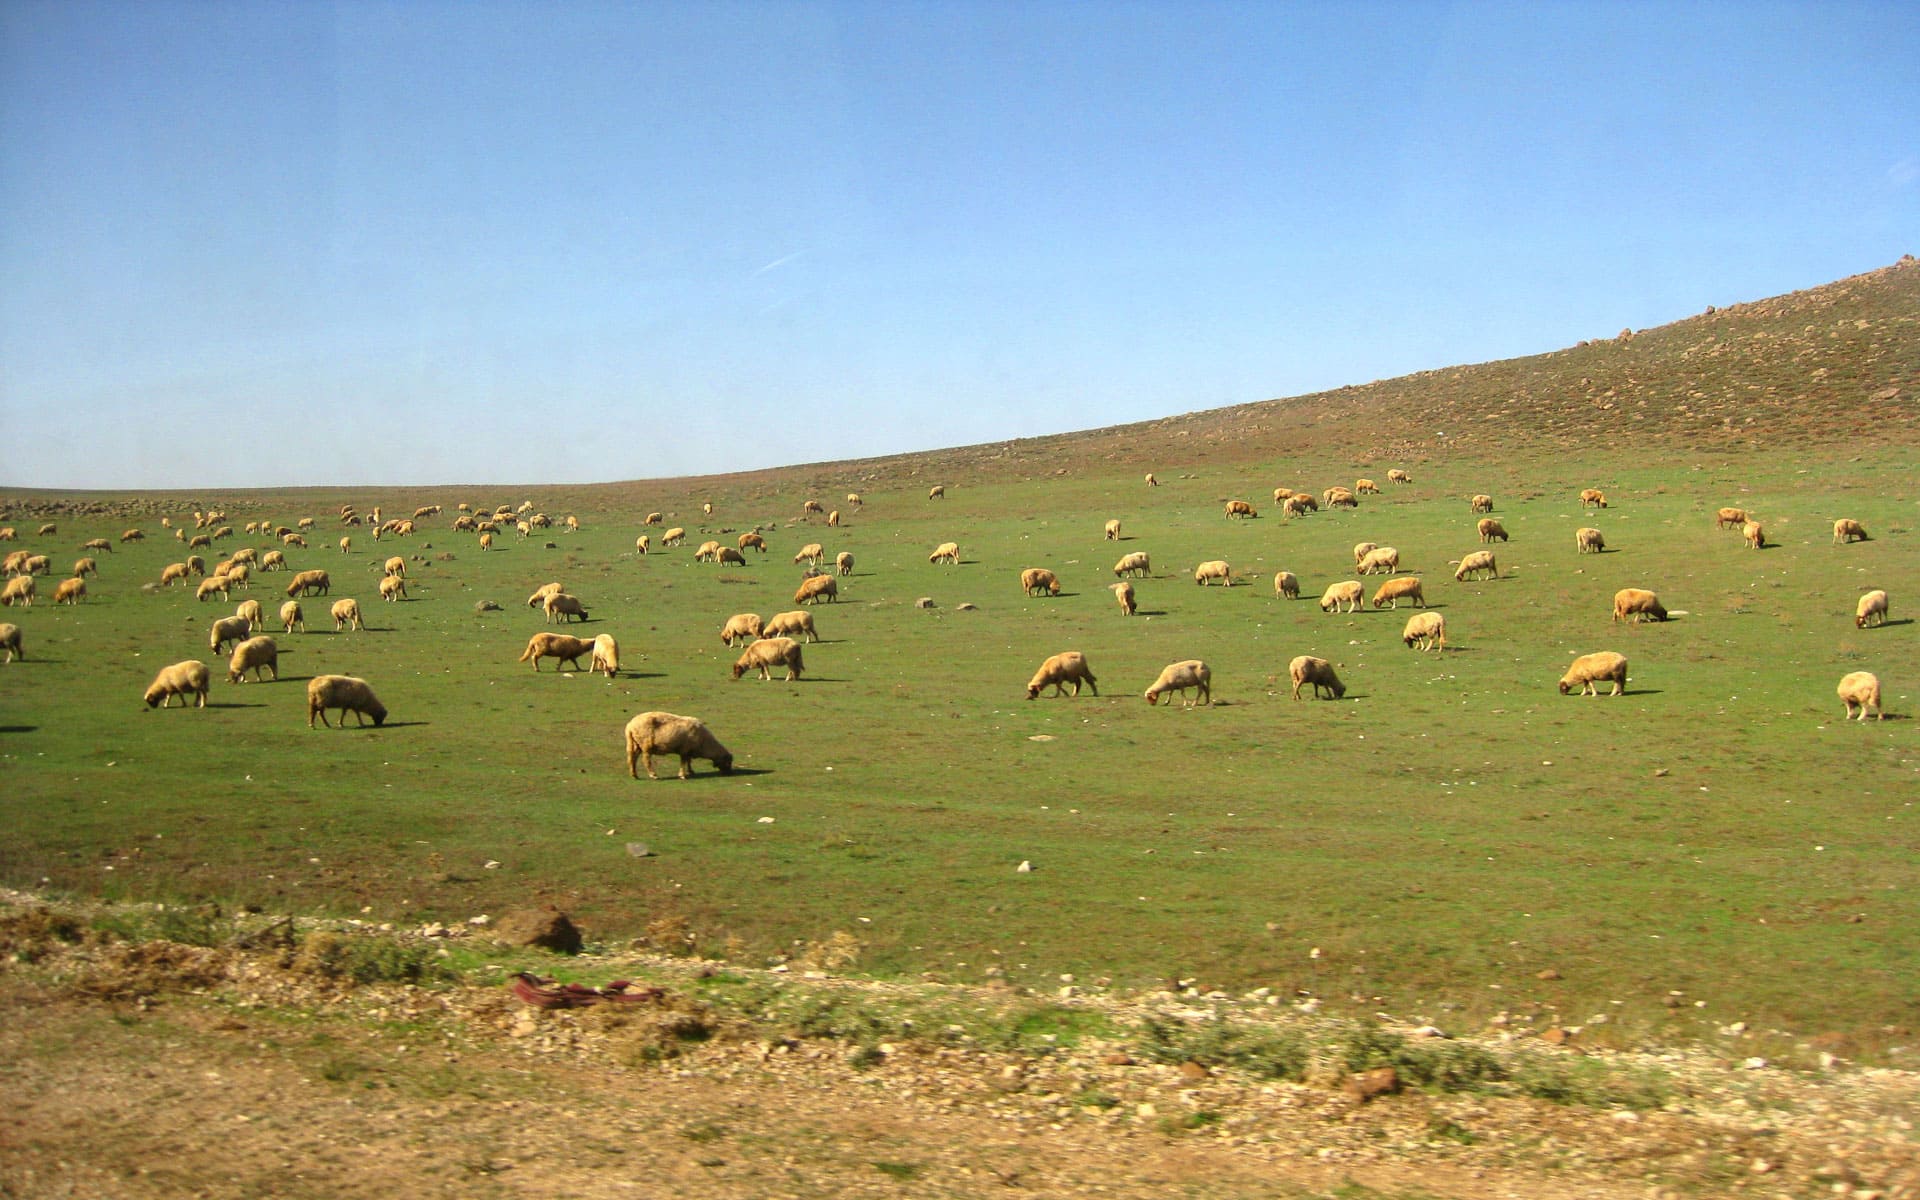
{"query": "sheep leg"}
[(686, 766)]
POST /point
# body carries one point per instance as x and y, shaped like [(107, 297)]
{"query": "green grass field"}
[(1714, 846)]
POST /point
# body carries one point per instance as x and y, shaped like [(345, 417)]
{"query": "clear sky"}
[(247, 243)]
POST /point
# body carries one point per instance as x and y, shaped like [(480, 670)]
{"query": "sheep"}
[(1592, 497), (606, 655), (465, 524), (290, 615), (10, 642), (196, 565), (727, 556), (843, 563), (100, 544), (37, 564), (15, 561), (133, 535), (673, 537), (1872, 605), (811, 554), (431, 510), (1039, 579), (346, 545), (1482, 503), (1123, 592), (708, 552), (1113, 531), (1362, 549), (1846, 529), (748, 541), (1286, 585), (395, 566), (1755, 535), (854, 499), (1588, 540), (346, 614), (790, 624), (811, 590), (1240, 508), (210, 585), (833, 519), (707, 508), (486, 542), (8, 533), (566, 607), (1426, 629), (771, 652), (1178, 677), (1590, 669), (653, 518), (1405, 587), (172, 573), (1069, 666), (1491, 530), (540, 594), (1136, 563), (519, 527), (238, 574), (252, 655), (1349, 593), (742, 627), (1383, 560), (272, 559), (1861, 688), (1213, 569), (572, 523), (250, 609), (1396, 475), (296, 540), (946, 552), (347, 694), (1730, 518), (642, 544), (393, 588), (1473, 564), (1636, 604), (70, 591), (653, 733), (306, 583), (19, 590), (1151, 481), (225, 531), (937, 492), (1300, 504), (563, 646), (182, 679), (245, 554), (1318, 672), (1340, 497), (49, 529), (1365, 487), (199, 541)]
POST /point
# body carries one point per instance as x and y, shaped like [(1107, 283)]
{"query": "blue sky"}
[(291, 243)]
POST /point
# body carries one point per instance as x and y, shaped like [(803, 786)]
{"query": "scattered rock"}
[(547, 928), (1368, 1085), (1549, 974), (481, 606), (924, 602)]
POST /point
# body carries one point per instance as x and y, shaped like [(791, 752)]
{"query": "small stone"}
[(1368, 1085), (1024, 867), (965, 607), (1117, 1059), (1193, 1072), (1549, 974), (638, 850), (1555, 1036), (924, 602)]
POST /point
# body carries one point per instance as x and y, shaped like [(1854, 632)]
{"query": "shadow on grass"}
[(1881, 625), (18, 728)]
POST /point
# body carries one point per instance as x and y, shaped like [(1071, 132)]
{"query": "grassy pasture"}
[(1450, 830)]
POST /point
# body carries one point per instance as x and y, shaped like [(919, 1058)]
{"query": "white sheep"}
[(393, 588), (727, 556), (1590, 669), (673, 537), (1482, 503), (1846, 529), (791, 624), (751, 541), (1213, 569), (1345, 596), (1286, 585), (1362, 549), (1383, 560), (771, 652), (1476, 563), (843, 563), (346, 614), (565, 647), (707, 552), (1136, 563), (946, 552), (1123, 592), (1240, 508), (70, 591), (1588, 540), (1363, 487), (210, 585), (564, 606), (1039, 579), (346, 693), (540, 594), (85, 566), (812, 591), (1396, 475), (1069, 666), (254, 654), (653, 733), (740, 627), (10, 641), (1491, 530), (1178, 677), (1755, 534), (1634, 604), (182, 679), (228, 629), (1318, 672), (1593, 497), (1861, 688), (606, 655), (1730, 518), (1113, 531), (1872, 609), (306, 582), (1428, 630), (290, 615)]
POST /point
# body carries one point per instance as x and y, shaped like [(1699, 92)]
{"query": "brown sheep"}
[(644, 543), (811, 553), (1113, 531), (1383, 560), (307, 582), (395, 566), (1286, 585), (708, 552), (565, 647), (1340, 497), (255, 616), (1039, 579), (346, 615), (1491, 530), (1299, 504), (1396, 475), (172, 573), (1365, 487), (70, 591), (133, 535), (771, 652), (290, 615), (843, 563), (254, 654), (813, 590), (1123, 592), (1406, 587), (1589, 540), (791, 624), (1635, 604), (663, 733), (1482, 503), (1136, 563), (1178, 677), (1872, 609), (606, 655), (946, 552), (85, 566), (1861, 688), (1474, 564), (811, 506), (1755, 535), (673, 537), (653, 518), (19, 590), (937, 492), (833, 519), (393, 588), (1240, 508), (100, 544), (1846, 529), (347, 694), (210, 585), (1730, 518), (1592, 498), (182, 679), (748, 541), (727, 556), (1590, 669), (1428, 630), (1318, 672), (1069, 666), (740, 627), (566, 607), (1349, 593), (1151, 481), (1213, 569), (10, 642), (272, 559)]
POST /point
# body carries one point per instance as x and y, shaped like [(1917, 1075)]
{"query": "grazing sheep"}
[(946, 552), (843, 563), (1872, 609), (1406, 587), (707, 508), (306, 583), (1592, 497), (272, 559), (740, 627), (252, 655), (566, 607), (727, 556), (1349, 593), (1846, 529), (1039, 579), (1482, 503), (1123, 592), (1589, 540), (606, 655), (1492, 530), (1426, 629), (1151, 481), (290, 615), (239, 575), (1475, 563), (572, 523), (1299, 504), (1396, 475), (1861, 688), (346, 693), (644, 543), (250, 609), (1340, 497), (937, 492), (1213, 569), (172, 573), (49, 529), (707, 552), (199, 541), (673, 537), (1069, 666), (1590, 669), (1730, 518), (540, 594), (100, 544), (1362, 549), (19, 590), (1384, 560), (346, 614), (1364, 487), (1113, 531), (1755, 535), (346, 545), (15, 560), (653, 518), (37, 564), (296, 540), (790, 624), (812, 590), (833, 519), (70, 591), (748, 541), (210, 585), (853, 498), (1286, 585), (771, 652), (1318, 672), (1178, 677), (396, 566), (182, 679), (1136, 563), (486, 542), (133, 535), (8, 533), (1240, 508), (1636, 604), (811, 554), (10, 642), (196, 565), (393, 588), (563, 646), (653, 733)]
